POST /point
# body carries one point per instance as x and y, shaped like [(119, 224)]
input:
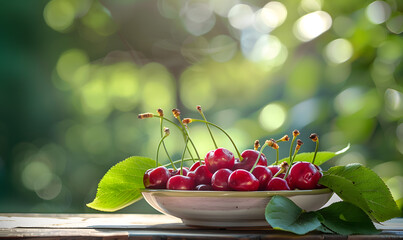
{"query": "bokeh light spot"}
[(312, 25), (394, 102), (222, 48), (390, 51), (378, 12), (311, 5), (198, 18), (36, 175), (355, 100), (395, 24), (273, 14), (59, 14), (241, 16), (94, 98), (272, 117), (123, 86), (99, 20), (69, 62), (196, 90), (158, 91), (51, 190), (339, 50)]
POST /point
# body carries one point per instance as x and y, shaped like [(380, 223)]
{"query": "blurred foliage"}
[(75, 74)]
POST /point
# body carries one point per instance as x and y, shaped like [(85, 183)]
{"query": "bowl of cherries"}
[(224, 189)]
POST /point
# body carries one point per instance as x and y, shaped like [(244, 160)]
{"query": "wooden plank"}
[(150, 226)]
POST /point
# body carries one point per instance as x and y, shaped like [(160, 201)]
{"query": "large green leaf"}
[(121, 185), (345, 218), (282, 214), (321, 157), (361, 186)]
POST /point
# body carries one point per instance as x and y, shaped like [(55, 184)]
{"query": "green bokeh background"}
[(75, 74)]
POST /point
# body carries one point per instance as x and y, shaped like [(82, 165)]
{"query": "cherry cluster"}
[(221, 171)]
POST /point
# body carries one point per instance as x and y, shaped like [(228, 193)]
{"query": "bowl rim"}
[(243, 194)]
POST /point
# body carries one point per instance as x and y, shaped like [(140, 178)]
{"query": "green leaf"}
[(283, 214), (361, 186), (121, 185), (345, 218), (321, 157)]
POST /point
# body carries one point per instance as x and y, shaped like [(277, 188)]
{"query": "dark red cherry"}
[(156, 178), (242, 180), (303, 175), (274, 169), (203, 187), (219, 181), (185, 171), (277, 184), (180, 182), (219, 158), (263, 174), (195, 165), (201, 175), (249, 158)]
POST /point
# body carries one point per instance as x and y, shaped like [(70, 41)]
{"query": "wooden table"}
[(149, 226)]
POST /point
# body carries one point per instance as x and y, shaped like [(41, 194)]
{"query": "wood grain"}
[(150, 226)]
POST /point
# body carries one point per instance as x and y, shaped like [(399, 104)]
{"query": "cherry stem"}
[(258, 157), (316, 151), (292, 145), (277, 157), (209, 130), (180, 129), (279, 172), (188, 134), (183, 155), (178, 161), (187, 137), (158, 150), (212, 124), (291, 162), (163, 144)]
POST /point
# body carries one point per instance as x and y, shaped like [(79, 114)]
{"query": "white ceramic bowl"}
[(228, 208)]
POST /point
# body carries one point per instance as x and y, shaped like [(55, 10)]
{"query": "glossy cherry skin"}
[(263, 174), (242, 180), (303, 175), (203, 187), (180, 182), (274, 169), (195, 165), (219, 158), (277, 184), (185, 171), (219, 181), (201, 175), (249, 158), (156, 178)]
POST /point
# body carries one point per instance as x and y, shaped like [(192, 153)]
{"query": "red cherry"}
[(156, 178), (249, 158), (263, 174), (201, 175), (203, 187), (274, 169), (180, 182), (219, 181), (219, 158), (303, 175), (185, 171), (195, 165), (242, 180), (277, 184)]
